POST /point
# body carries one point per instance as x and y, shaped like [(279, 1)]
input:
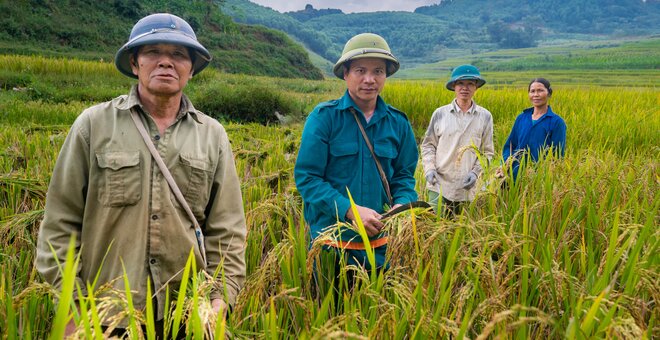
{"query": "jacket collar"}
[(456, 108), (346, 102), (530, 111), (133, 100)]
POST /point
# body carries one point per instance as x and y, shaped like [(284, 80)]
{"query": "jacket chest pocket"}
[(475, 138), (342, 162), (121, 180), (193, 176), (385, 149), (386, 153)]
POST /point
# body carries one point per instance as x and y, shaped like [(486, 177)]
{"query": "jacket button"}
[(157, 137), (154, 217), (152, 261)]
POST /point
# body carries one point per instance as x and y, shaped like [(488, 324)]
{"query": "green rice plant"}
[(363, 235), (566, 251), (65, 301)]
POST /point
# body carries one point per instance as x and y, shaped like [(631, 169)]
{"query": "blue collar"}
[(530, 111)]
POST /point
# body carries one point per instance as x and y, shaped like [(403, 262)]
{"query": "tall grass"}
[(569, 250)]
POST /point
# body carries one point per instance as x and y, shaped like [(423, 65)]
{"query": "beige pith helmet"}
[(366, 45)]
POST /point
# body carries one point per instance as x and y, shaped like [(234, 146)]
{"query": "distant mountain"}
[(310, 13), (622, 17), (459, 27), (96, 29)]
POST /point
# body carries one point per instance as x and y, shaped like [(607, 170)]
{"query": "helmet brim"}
[(123, 56), (392, 62), (450, 84)]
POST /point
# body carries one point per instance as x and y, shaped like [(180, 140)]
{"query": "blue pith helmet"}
[(465, 72), (162, 28)]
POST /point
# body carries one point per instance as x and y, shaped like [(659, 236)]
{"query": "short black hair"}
[(543, 81), (347, 66)]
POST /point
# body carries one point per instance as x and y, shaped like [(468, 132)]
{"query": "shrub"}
[(10, 80), (245, 103)]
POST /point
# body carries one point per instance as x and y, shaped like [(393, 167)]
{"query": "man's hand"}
[(70, 328), (432, 177), (499, 173), (470, 180), (219, 307), (370, 218)]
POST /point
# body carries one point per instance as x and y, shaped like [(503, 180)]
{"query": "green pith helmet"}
[(366, 45), (465, 72)]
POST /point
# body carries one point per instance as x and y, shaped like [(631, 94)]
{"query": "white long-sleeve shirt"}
[(446, 148)]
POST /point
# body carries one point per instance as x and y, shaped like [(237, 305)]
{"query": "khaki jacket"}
[(445, 148), (108, 192)]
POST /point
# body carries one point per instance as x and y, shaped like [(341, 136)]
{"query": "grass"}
[(569, 251)]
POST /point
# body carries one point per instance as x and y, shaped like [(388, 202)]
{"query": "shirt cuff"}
[(343, 204)]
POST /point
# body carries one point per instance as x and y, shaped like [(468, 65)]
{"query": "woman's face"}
[(538, 95)]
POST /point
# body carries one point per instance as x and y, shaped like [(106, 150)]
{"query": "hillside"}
[(597, 57), (244, 11), (96, 29), (627, 17), (443, 31)]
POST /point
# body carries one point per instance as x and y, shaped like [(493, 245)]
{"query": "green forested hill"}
[(631, 17), (411, 36), (244, 11), (96, 29), (456, 28)]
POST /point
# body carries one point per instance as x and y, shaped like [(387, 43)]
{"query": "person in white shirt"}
[(449, 148)]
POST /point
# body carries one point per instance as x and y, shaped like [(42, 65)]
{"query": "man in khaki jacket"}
[(451, 166), (109, 194)]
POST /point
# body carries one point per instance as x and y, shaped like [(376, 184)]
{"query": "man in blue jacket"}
[(334, 157)]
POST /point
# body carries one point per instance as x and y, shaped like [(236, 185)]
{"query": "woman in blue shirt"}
[(537, 129)]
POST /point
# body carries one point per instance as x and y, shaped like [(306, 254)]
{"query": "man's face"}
[(365, 79), (162, 69), (465, 89)]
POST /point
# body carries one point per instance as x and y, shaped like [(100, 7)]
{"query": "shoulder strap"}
[(383, 178), (170, 180)]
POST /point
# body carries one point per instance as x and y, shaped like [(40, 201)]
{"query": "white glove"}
[(470, 180), (432, 177)]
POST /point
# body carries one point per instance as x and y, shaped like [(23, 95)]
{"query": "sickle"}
[(405, 207)]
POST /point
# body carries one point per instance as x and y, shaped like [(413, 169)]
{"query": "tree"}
[(507, 37)]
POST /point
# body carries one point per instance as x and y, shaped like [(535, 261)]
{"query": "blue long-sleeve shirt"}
[(333, 157), (530, 137)]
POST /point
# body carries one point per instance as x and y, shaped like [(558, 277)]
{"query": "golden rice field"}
[(570, 251)]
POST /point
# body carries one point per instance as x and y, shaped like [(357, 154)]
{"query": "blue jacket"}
[(333, 157), (549, 130)]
